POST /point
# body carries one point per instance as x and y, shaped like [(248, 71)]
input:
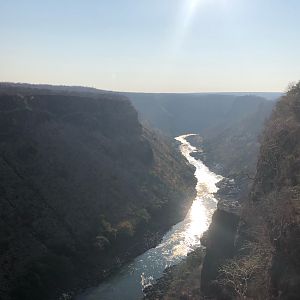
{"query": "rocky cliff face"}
[(82, 186), (253, 244), (264, 259), (234, 144), (209, 115), (219, 241), (229, 125), (275, 201)]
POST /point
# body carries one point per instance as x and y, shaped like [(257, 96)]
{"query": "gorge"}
[(89, 192), (83, 186), (182, 239)]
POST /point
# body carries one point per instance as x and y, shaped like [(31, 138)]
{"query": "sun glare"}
[(193, 4)]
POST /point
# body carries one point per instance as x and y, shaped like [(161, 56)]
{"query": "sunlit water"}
[(181, 239)]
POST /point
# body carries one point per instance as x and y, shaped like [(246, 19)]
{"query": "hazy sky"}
[(152, 45)]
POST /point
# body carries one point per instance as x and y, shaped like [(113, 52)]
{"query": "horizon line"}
[(135, 91)]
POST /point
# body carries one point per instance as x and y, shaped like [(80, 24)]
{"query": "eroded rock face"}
[(276, 194), (81, 183), (264, 247), (220, 246)]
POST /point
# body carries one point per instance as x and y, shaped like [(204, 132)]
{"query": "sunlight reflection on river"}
[(183, 238)]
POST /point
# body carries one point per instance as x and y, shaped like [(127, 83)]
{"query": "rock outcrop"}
[(263, 261)]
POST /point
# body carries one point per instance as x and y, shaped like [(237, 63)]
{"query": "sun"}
[(193, 4), (190, 9)]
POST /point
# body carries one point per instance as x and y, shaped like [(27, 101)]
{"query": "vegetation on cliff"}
[(83, 187), (275, 202), (234, 144), (266, 262), (254, 254)]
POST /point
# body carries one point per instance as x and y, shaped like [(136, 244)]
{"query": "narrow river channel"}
[(181, 239)]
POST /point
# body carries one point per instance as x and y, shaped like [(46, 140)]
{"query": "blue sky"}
[(152, 45)]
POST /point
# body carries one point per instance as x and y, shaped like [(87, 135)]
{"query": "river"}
[(181, 239)]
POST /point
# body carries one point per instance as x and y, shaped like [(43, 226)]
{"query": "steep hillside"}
[(229, 125), (82, 188), (177, 114), (235, 145), (275, 201), (264, 260), (252, 252)]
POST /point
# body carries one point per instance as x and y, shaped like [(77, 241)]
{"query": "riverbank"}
[(182, 239), (183, 281), (179, 281), (194, 278), (219, 239), (143, 240)]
